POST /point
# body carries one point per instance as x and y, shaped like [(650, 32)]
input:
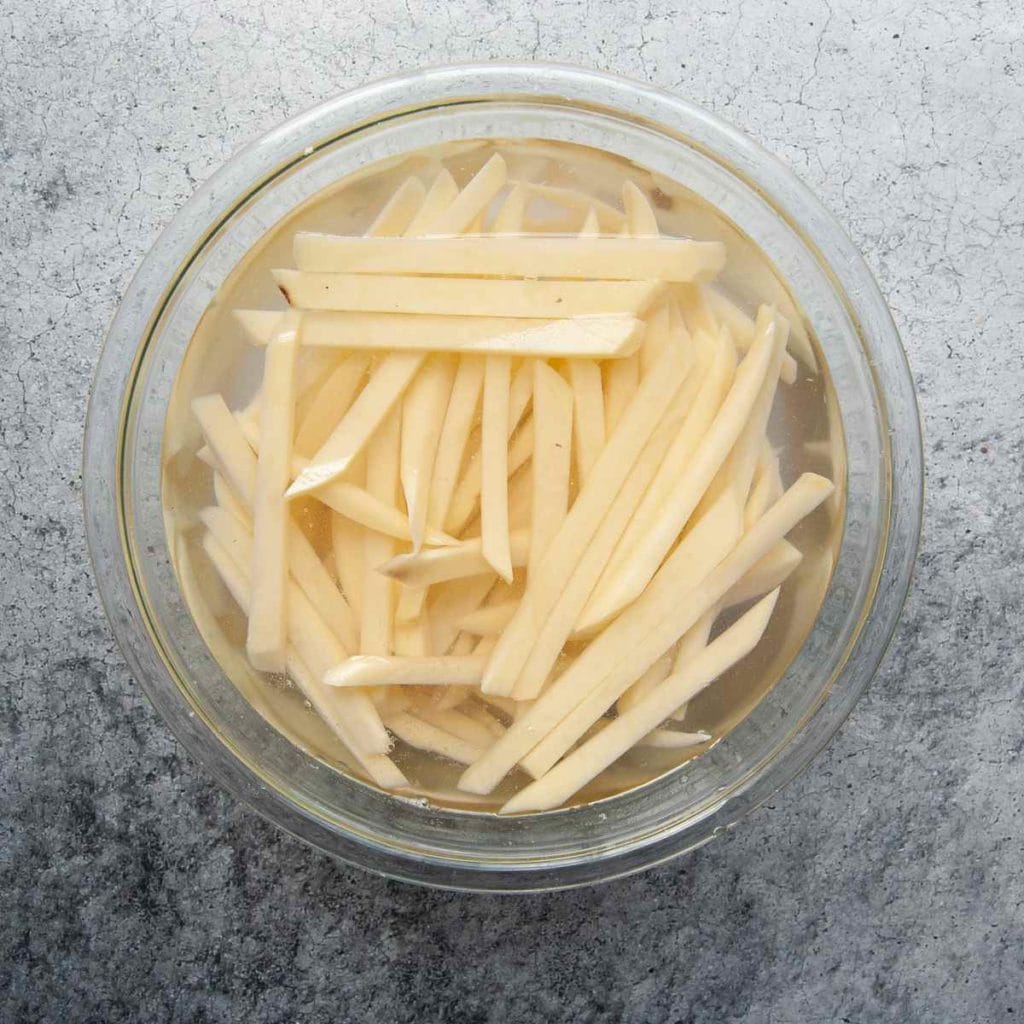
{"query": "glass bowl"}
[(407, 839)]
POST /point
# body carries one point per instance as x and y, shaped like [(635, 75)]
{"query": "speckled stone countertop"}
[(886, 884)]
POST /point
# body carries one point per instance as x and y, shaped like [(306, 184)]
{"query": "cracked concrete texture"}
[(885, 884)]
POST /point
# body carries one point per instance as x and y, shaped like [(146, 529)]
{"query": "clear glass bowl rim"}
[(152, 287)]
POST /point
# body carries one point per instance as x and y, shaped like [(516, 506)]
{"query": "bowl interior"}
[(222, 721)]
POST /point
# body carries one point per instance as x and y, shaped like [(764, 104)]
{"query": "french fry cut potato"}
[(617, 589), (385, 387), (612, 259), (451, 447), (365, 670), (440, 195), (616, 738), (583, 521), (471, 201), (267, 639), (494, 480), (552, 452), (309, 638), (656, 621), (588, 414), (423, 412), (452, 562), (379, 596), (399, 210), (603, 336), (330, 403), (464, 296), (509, 220)]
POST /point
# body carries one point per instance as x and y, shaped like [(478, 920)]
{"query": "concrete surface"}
[(885, 885)]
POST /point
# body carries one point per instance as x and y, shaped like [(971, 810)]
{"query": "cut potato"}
[(439, 197), (451, 447), (331, 402), (423, 412), (471, 201), (266, 641), (644, 556), (385, 671), (617, 737), (424, 736), (509, 220), (399, 210), (589, 427), (600, 336), (494, 472), (385, 387), (583, 521), (657, 620), (612, 259), (361, 506), (353, 717), (552, 453), (452, 562), (379, 596), (464, 296)]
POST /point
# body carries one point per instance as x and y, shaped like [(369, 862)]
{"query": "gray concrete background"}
[(884, 885)]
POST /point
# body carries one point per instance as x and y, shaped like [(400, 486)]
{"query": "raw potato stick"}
[(656, 674), (267, 637), (471, 201), (359, 505), (588, 414), (710, 540), (583, 521), (625, 580), (591, 227), (423, 412), (238, 464), (491, 620), (331, 402), (741, 327), (451, 448), (600, 336), (617, 737), (613, 259), (450, 603), (712, 389), (423, 736), (398, 212), (464, 296), (494, 466), (308, 636), (509, 220), (385, 387), (662, 628), (552, 453), (379, 595), (464, 500), (439, 197), (771, 571), (669, 739), (347, 546), (455, 723), (369, 670), (640, 218), (621, 379), (453, 562), (334, 712), (562, 621), (656, 621)]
